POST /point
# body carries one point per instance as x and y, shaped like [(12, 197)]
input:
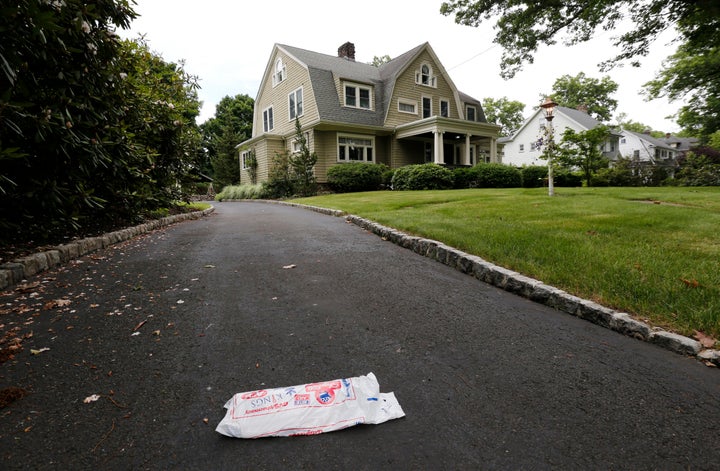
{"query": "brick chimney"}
[(347, 51), (582, 108)]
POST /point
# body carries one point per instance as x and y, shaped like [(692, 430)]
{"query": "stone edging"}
[(529, 288), (14, 272)]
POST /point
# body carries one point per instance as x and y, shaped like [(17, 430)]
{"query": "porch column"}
[(439, 157), (493, 150), (466, 158)]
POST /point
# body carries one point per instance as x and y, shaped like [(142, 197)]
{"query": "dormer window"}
[(280, 73), (470, 113), (358, 96), (425, 76)]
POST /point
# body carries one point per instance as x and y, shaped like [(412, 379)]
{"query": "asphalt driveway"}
[(165, 328)]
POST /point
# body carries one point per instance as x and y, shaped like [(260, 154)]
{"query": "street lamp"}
[(549, 107)]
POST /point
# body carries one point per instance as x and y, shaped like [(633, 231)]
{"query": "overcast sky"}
[(227, 44)]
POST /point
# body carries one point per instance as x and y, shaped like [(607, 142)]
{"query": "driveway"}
[(165, 328)]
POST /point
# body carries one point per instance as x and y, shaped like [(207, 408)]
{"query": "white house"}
[(644, 149), (524, 147)]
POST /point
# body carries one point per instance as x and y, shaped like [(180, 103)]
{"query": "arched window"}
[(425, 76), (279, 74)]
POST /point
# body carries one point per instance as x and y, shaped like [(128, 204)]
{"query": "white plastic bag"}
[(308, 409)]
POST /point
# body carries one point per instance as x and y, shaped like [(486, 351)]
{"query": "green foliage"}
[(507, 113), (280, 182), (573, 92), (422, 177), (252, 167), (583, 150), (701, 167), (380, 60), (93, 130), (524, 25), (566, 178), (356, 176), (231, 125), (534, 176), (302, 164), (242, 192), (494, 175)]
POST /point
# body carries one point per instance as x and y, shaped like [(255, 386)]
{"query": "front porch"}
[(453, 142)]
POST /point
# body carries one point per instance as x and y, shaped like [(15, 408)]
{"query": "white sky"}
[(227, 44)]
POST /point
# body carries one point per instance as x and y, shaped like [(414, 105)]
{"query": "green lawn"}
[(652, 252)]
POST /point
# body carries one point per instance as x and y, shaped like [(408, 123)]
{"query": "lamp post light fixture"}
[(549, 106)]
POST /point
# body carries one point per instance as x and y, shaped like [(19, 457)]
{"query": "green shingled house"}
[(406, 111)]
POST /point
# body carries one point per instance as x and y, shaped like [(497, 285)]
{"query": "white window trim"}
[(302, 106), (243, 156), (357, 87), (447, 102), (432, 79), (355, 136), (270, 127), (295, 143), (279, 75), (471, 107), (422, 101), (412, 103)]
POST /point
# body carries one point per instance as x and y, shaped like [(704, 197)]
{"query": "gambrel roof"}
[(324, 69)]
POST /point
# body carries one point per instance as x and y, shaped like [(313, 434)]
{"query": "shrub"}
[(422, 177), (356, 176), (241, 192), (495, 176), (534, 176), (463, 177), (567, 179)]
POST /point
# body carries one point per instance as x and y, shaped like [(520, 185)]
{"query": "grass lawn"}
[(652, 252)]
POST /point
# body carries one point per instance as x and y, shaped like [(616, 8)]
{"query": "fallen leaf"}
[(140, 324), (134, 334), (156, 332), (286, 267), (38, 351), (206, 420), (90, 399), (180, 301), (690, 283), (704, 339), (209, 266)]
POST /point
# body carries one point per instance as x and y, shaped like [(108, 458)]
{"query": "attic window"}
[(425, 76), (280, 73)]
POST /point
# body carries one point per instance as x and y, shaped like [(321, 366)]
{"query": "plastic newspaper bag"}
[(308, 409)]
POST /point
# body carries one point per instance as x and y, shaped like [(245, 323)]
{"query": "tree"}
[(378, 61), (692, 73), (507, 113), (523, 25), (93, 130), (231, 125), (302, 164), (583, 150), (594, 94)]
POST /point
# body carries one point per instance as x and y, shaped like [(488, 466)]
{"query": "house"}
[(406, 111), (680, 144), (524, 147), (645, 150)]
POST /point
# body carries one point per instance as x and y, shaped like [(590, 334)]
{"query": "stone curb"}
[(527, 287), (14, 272)]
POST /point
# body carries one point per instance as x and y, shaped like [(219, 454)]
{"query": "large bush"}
[(356, 176), (494, 176), (534, 176), (565, 178), (422, 177)]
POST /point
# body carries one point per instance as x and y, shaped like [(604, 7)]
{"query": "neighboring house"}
[(680, 144), (525, 147), (645, 150), (406, 111)]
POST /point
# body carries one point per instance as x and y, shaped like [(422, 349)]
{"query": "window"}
[(355, 148), (358, 96), (279, 74), (444, 108), (522, 147), (427, 107), (622, 141), (245, 156), (268, 120), (295, 102), (407, 106), (636, 154), (428, 152), (425, 76), (470, 113), (296, 145)]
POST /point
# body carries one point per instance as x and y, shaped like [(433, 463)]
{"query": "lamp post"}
[(549, 107)]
